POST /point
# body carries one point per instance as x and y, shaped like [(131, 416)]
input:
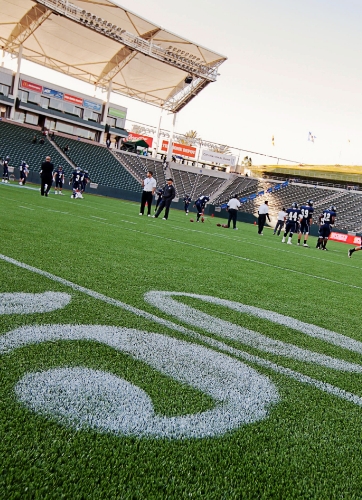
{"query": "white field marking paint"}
[(95, 217), (305, 379), (89, 398), (26, 208), (29, 303), (225, 329)]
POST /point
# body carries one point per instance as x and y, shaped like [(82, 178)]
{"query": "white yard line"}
[(325, 387)]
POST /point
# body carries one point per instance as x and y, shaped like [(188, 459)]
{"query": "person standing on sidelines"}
[(58, 177), (149, 188), (159, 194), (263, 213), (233, 207), (281, 220), (6, 170), (169, 194), (46, 175)]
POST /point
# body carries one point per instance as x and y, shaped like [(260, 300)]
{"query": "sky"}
[(293, 67)]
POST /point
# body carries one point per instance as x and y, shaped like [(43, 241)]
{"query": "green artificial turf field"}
[(112, 388)]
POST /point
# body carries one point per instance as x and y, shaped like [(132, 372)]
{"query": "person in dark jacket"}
[(169, 194), (46, 175)]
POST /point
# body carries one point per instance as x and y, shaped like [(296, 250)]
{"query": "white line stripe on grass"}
[(26, 208), (325, 387), (95, 217)]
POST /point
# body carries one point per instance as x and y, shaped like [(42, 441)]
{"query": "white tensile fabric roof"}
[(99, 42)]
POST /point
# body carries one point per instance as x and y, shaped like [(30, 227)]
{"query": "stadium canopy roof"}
[(100, 42)]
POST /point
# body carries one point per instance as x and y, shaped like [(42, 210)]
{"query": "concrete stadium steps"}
[(103, 167), (16, 141)]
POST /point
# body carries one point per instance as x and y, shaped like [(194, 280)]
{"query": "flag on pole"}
[(311, 137)]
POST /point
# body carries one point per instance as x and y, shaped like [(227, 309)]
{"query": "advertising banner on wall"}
[(54, 94), (117, 113), (138, 137), (180, 149), (220, 158), (92, 105), (33, 87), (346, 238), (73, 99)]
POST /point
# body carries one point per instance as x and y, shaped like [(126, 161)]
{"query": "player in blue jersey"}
[(307, 220), (85, 180), (24, 170), (76, 181), (6, 169), (58, 178), (293, 217), (327, 219), (187, 201), (200, 204)]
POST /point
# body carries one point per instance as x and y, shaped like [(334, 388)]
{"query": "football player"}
[(327, 219), (24, 170), (355, 249), (6, 169), (58, 177), (293, 217), (76, 180), (85, 180), (306, 221), (187, 201), (200, 204)]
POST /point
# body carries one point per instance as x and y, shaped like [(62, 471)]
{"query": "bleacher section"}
[(16, 141), (242, 186), (348, 203), (103, 167), (139, 165), (185, 182)]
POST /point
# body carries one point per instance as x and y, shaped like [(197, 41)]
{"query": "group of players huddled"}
[(78, 180), (299, 219)]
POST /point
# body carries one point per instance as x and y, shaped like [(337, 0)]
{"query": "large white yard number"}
[(85, 398)]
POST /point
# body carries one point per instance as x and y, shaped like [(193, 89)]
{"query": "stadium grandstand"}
[(34, 30)]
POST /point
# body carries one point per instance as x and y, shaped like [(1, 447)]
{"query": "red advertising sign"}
[(33, 87), (346, 238), (138, 137), (73, 99), (180, 149)]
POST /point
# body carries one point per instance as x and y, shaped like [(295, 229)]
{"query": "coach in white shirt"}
[(263, 213), (149, 188), (281, 219), (232, 208)]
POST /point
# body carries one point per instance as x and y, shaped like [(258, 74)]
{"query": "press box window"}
[(34, 98)]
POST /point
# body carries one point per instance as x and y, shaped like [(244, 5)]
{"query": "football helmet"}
[(295, 205), (333, 208), (310, 203)]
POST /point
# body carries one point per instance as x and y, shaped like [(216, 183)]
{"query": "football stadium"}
[(143, 358)]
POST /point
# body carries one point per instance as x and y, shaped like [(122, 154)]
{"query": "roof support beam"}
[(27, 26), (133, 42)]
